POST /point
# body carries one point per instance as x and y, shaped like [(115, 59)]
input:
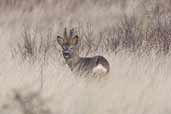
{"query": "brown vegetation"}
[(134, 35)]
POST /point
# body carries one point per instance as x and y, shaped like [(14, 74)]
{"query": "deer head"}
[(69, 44)]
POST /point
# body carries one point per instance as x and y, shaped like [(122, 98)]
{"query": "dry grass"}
[(135, 36)]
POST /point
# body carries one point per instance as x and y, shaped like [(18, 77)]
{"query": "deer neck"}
[(72, 62)]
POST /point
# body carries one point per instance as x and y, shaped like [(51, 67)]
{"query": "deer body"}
[(94, 65)]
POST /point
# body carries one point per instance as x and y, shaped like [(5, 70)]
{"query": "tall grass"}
[(132, 31), (134, 35)]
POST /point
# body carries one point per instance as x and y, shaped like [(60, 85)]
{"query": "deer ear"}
[(75, 40), (60, 40)]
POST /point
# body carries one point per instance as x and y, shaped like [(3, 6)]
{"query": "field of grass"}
[(134, 35)]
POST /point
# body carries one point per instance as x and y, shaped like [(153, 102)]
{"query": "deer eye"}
[(63, 47)]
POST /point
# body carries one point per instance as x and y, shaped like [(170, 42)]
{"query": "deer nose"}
[(66, 53), (66, 50)]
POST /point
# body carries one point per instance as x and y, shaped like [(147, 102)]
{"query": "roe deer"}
[(70, 49)]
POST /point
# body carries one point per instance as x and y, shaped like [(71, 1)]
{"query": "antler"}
[(65, 33), (71, 32), (70, 35)]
